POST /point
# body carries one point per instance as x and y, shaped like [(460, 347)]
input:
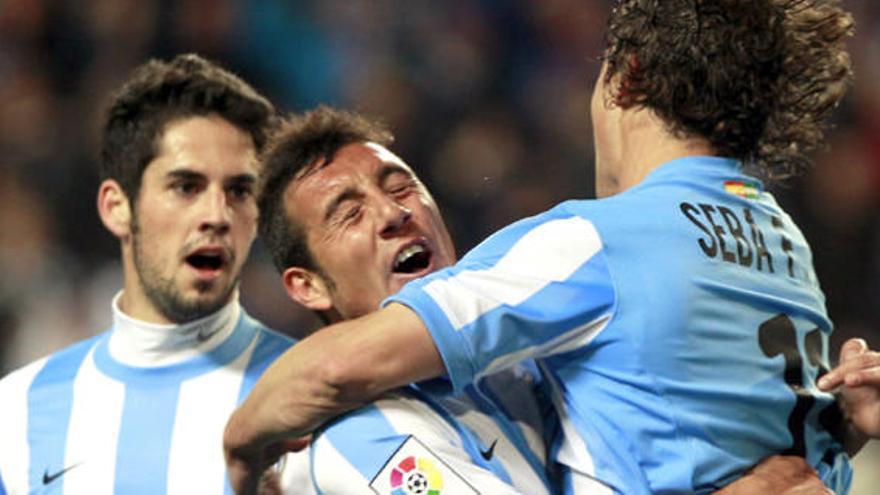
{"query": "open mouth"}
[(208, 260), (412, 259)]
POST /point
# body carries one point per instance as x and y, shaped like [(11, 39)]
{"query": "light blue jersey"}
[(680, 324), (80, 421), (488, 439)]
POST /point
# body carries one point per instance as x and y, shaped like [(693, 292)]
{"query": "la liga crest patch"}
[(415, 470)]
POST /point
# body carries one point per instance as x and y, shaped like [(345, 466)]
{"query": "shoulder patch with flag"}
[(743, 189), (415, 470)]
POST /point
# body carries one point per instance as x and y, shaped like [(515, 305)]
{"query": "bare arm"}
[(332, 371), (780, 475)]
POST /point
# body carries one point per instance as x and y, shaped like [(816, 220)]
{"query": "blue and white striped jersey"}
[(679, 323), (81, 421), (488, 439)]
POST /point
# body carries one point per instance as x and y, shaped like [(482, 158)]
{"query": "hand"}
[(250, 471), (270, 484), (292, 398), (779, 475), (858, 376)]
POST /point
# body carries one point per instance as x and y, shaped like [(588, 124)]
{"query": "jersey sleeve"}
[(399, 443), (536, 288)]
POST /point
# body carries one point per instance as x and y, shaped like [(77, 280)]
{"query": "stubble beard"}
[(164, 294)]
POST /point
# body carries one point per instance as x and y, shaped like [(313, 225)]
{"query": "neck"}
[(136, 342), (642, 143)]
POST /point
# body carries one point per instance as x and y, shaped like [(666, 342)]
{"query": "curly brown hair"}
[(755, 78), (301, 141)]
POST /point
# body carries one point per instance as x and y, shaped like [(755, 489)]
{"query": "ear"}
[(307, 288), (114, 208)]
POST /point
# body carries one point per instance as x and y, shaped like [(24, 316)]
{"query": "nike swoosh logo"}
[(47, 478), (488, 453), (206, 333)]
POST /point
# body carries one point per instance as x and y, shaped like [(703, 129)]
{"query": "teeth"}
[(406, 253)]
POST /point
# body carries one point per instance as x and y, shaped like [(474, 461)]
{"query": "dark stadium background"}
[(488, 99)]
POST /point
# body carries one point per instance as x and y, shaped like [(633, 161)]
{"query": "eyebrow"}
[(242, 179), (186, 174)]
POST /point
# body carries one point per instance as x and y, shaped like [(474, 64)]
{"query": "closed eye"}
[(350, 212), (400, 189)]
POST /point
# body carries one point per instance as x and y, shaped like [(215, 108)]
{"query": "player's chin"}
[(205, 304), (211, 292)]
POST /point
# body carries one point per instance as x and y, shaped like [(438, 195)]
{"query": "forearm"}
[(377, 353), (333, 371), (779, 475)]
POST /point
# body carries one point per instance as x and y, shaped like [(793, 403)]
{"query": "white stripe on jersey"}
[(573, 453), (570, 340), (334, 474), (295, 472), (14, 425), (524, 269), (93, 432), (195, 459)]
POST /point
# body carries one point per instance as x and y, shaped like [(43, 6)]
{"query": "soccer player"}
[(348, 223), (141, 408), (678, 318)]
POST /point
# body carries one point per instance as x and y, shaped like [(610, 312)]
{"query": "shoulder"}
[(18, 381), (269, 343), (38, 384), (263, 330), (364, 441), (62, 365), (386, 421)]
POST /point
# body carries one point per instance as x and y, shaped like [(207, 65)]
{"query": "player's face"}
[(194, 222), (370, 224)]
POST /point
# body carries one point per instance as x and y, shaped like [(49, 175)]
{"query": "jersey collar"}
[(138, 343)]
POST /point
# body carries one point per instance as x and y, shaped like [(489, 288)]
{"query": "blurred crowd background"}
[(488, 100)]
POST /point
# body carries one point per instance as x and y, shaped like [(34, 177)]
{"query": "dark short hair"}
[(159, 92), (300, 141), (755, 78)]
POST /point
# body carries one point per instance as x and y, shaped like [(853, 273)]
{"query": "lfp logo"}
[(416, 476)]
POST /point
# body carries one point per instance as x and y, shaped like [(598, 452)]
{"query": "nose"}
[(216, 215), (395, 216)]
